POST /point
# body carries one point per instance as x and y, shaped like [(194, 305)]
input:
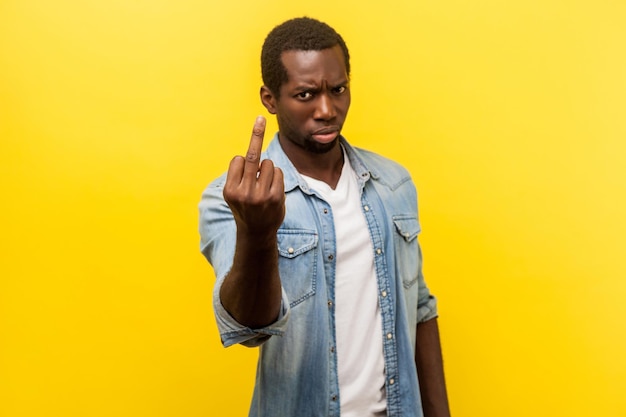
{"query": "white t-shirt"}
[(360, 362)]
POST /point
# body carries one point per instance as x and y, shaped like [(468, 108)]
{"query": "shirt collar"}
[(293, 179)]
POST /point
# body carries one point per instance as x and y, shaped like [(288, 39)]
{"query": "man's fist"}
[(255, 190)]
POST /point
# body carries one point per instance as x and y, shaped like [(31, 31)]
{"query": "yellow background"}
[(114, 115)]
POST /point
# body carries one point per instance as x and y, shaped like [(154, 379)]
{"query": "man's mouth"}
[(326, 135)]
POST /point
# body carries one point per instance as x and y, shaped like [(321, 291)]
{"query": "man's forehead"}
[(297, 61)]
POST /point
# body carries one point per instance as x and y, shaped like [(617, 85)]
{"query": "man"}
[(314, 245)]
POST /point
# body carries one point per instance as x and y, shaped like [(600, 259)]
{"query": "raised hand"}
[(255, 190)]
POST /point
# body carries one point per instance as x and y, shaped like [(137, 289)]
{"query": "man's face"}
[(313, 103)]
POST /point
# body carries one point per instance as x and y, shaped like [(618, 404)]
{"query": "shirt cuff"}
[(232, 332)]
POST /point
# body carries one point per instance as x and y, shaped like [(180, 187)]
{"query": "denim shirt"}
[(297, 369)]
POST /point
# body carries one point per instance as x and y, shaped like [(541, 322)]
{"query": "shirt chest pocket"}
[(297, 263), (407, 250)]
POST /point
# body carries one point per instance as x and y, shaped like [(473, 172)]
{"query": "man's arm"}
[(429, 363), (254, 191)]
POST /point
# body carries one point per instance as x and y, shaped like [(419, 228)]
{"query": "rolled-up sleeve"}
[(426, 302), (427, 310), (232, 332)]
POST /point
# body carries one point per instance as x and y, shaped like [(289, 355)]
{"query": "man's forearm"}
[(429, 363), (251, 292)]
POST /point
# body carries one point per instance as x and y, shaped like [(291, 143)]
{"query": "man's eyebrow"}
[(306, 86), (341, 83), (338, 82)]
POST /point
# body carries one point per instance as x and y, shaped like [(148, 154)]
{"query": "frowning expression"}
[(312, 105)]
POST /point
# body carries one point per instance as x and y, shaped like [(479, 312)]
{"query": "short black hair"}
[(299, 34)]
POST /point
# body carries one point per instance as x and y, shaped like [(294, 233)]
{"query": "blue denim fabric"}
[(297, 369)]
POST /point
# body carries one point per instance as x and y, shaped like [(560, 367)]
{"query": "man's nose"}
[(325, 109)]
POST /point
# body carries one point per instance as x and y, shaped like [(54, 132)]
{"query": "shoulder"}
[(383, 169), (374, 159)]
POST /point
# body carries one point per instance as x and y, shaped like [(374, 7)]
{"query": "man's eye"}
[(339, 90), (304, 95)]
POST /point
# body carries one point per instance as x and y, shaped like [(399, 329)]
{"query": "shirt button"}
[(389, 336), (384, 293), (332, 349), (325, 211), (392, 381), (330, 303), (334, 398), (290, 250), (366, 208), (378, 251), (407, 234), (331, 257)]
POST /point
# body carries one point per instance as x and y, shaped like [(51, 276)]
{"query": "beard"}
[(308, 144)]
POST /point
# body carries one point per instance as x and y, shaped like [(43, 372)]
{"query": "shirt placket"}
[(329, 255), (385, 300)]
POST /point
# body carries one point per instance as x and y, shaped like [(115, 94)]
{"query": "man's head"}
[(300, 34), (307, 87)]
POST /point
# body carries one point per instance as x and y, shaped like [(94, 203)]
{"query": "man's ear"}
[(268, 99)]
